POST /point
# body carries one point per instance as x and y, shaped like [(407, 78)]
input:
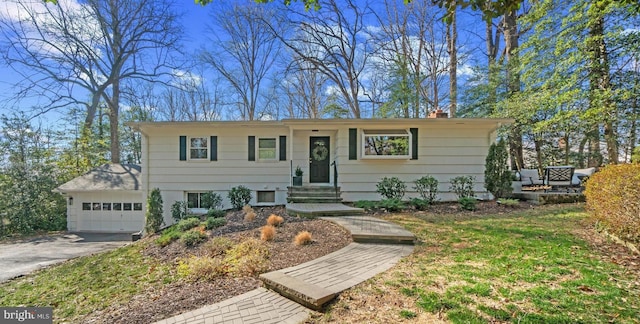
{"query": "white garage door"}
[(109, 213)]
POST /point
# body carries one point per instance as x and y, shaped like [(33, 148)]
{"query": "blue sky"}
[(195, 22)]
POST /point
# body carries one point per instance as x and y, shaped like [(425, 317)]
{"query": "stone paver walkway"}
[(313, 283), (255, 307)]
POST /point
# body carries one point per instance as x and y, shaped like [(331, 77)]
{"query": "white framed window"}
[(267, 149), (386, 144), (198, 148), (195, 200)]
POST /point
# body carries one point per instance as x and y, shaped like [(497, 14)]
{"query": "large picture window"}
[(267, 149), (198, 149), (386, 144)]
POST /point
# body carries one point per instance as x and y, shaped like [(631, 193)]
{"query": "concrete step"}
[(312, 210), (312, 188), (366, 229), (312, 200)]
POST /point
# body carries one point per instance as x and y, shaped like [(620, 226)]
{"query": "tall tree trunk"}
[(513, 85), (452, 37), (600, 83), (114, 111)]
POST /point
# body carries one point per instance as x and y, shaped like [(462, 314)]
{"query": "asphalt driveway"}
[(22, 257)]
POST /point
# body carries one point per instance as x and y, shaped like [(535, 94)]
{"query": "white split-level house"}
[(187, 159)]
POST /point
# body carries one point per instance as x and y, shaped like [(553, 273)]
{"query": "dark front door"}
[(319, 159)]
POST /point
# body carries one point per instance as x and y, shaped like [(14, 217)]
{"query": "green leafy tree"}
[(154, 216), (497, 176), (28, 177)]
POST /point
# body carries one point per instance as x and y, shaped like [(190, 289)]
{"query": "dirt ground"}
[(182, 296)]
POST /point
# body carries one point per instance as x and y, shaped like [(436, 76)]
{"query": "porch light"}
[(70, 201)]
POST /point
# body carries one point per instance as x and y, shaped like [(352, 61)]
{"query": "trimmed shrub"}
[(419, 204), (497, 177), (427, 187), (179, 210), (211, 200), (239, 196), (462, 186), (275, 220), (467, 203), (187, 224), (213, 222), (216, 213), (391, 188), (154, 219), (303, 238), (267, 233), (391, 205), (613, 200), (193, 238)]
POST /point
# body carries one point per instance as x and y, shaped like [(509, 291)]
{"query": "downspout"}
[(145, 169), (290, 148)]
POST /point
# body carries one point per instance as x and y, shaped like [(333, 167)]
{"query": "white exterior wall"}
[(446, 148), (105, 221), (444, 152), (174, 177)]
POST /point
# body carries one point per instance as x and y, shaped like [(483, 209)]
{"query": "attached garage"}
[(106, 199)]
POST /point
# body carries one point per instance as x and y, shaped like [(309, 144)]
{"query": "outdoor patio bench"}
[(560, 176)]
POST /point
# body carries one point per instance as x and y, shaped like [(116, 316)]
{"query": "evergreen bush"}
[(462, 186), (211, 200), (391, 188), (427, 187), (497, 177), (216, 213), (193, 238), (213, 222), (187, 224), (239, 196), (613, 200), (468, 203), (154, 217), (179, 210)]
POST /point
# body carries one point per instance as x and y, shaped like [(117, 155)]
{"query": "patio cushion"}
[(530, 177), (581, 172)]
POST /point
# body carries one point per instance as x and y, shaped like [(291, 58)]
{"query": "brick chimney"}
[(438, 114)]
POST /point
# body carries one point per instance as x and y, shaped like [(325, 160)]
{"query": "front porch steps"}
[(313, 194)]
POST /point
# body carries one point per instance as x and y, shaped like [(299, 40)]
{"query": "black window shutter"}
[(414, 143), (353, 143), (214, 148), (252, 148), (283, 148), (183, 148)]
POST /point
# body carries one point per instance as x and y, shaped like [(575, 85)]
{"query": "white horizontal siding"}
[(445, 151)]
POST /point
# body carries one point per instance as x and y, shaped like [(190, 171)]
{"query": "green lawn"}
[(521, 267), (87, 284)]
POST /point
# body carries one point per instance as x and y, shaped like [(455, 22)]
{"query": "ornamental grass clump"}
[(303, 238), (613, 200), (249, 213), (275, 220), (267, 233)]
